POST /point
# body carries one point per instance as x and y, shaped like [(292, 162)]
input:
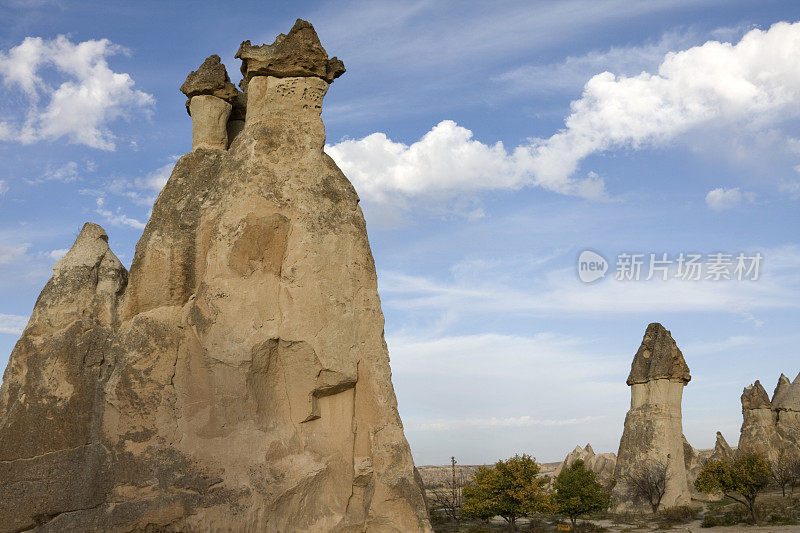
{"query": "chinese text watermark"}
[(717, 266)]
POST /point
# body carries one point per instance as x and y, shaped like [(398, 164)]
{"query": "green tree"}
[(740, 479), (577, 492), (508, 489)]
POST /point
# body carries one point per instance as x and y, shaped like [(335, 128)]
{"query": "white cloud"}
[(66, 173), (574, 71), (3, 187), (752, 83), (116, 218), (494, 422), (485, 289), (10, 254), (720, 199), (444, 163), (56, 255), (12, 324), (80, 107)]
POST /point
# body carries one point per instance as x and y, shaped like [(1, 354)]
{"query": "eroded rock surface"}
[(653, 426), (601, 464), (238, 378), (297, 54), (771, 427)]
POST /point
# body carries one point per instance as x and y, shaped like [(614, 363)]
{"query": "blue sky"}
[(491, 143)]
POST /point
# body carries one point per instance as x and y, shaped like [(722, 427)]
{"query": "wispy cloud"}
[(12, 253), (116, 218), (12, 324), (494, 422), (721, 199)]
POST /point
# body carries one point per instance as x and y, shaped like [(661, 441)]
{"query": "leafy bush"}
[(681, 514)]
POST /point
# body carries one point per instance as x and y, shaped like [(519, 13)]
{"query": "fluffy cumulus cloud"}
[(754, 83), (720, 199), (89, 96), (445, 162), (757, 79)]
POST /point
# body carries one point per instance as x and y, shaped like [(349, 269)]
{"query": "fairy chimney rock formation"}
[(653, 427), (237, 379), (601, 464), (758, 433), (771, 427)]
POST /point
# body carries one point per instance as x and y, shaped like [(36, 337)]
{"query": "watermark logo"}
[(591, 266), (662, 266)]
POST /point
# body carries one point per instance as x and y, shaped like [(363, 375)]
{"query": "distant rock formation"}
[(237, 379), (771, 427), (601, 464), (653, 426), (722, 451)]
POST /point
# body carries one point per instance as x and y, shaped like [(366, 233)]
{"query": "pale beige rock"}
[(758, 433), (52, 458), (653, 429), (601, 464), (722, 450), (269, 97), (209, 122), (241, 381), (771, 427)]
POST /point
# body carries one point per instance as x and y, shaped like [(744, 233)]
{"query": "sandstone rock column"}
[(211, 98), (786, 407), (758, 426), (240, 381), (52, 460), (209, 122), (653, 426)]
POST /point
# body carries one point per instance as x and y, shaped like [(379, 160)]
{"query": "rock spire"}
[(237, 379), (653, 426)]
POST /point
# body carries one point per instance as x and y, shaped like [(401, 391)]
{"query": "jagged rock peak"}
[(755, 397), (297, 54), (88, 250), (780, 389), (722, 450), (787, 395), (658, 357)]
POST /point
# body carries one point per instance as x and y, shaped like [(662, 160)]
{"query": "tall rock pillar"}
[(240, 381), (653, 427)]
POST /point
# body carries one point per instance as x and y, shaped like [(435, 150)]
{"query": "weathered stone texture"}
[(241, 381), (297, 54), (601, 464), (653, 426)]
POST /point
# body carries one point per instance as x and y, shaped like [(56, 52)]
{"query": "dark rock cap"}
[(297, 54), (210, 78), (755, 397), (658, 358)]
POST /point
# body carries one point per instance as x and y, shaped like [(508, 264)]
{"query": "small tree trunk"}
[(751, 503), (573, 520), (512, 523)]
